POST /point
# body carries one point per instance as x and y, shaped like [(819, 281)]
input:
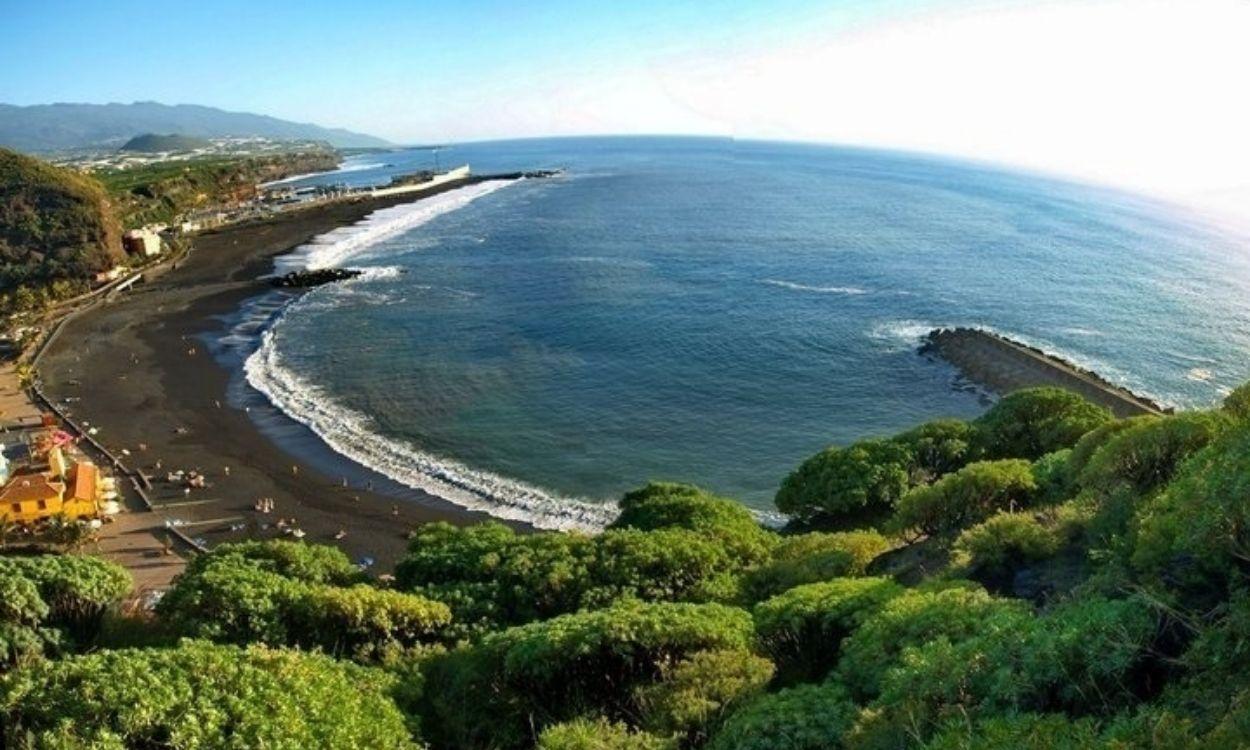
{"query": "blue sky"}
[(1148, 94)]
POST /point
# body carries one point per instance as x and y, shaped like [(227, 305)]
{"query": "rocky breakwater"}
[(308, 279), (1002, 365)]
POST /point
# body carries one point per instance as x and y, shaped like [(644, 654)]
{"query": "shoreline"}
[(138, 372)]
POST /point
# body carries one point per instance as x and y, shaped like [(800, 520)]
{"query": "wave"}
[(338, 245), (352, 434), (816, 289)]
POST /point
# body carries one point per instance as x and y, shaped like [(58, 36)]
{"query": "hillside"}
[(150, 143), (1044, 576), (54, 224), (54, 127), (163, 191)]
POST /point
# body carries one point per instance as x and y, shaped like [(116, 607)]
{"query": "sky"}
[(1145, 94)]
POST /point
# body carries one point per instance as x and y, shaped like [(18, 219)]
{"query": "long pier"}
[(1003, 365)]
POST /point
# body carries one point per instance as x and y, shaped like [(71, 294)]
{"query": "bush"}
[(694, 697), (310, 563), (662, 565), (814, 557), (1195, 536), (590, 663), (199, 696), (1020, 732), (1237, 403), (75, 590), (806, 717), (599, 734), (937, 448), (860, 482), (1090, 656), (238, 599), (1035, 421), (803, 628), (968, 496), (666, 505), (1051, 473), (995, 548), (1145, 454), (915, 618)]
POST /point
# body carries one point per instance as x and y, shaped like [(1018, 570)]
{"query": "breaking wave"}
[(339, 245), (817, 289)]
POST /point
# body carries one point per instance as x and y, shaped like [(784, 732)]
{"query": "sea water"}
[(715, 311)]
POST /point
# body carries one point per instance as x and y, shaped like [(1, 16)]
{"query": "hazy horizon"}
[(1131, 93)]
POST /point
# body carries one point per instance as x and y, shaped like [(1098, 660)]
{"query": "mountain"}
[(150, 143), (54, 127), (54, 224)]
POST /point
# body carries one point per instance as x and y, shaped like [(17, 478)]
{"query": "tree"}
[(199, 695), (1032, 422), (666, 505), (861, 482), (693, 697), (813, 557), (806, 717), (968, 496)]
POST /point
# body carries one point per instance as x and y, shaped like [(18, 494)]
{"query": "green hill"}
[(150, 143), (55, 224), (1044, 576)]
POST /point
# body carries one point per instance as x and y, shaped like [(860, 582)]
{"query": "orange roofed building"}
[(75, 491)]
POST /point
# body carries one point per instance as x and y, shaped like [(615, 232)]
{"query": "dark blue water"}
[(715, 311)]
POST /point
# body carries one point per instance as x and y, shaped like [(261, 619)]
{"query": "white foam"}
[(340, 170), (337, 246), (817, 289)]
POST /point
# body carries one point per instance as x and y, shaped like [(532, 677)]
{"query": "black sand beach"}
[(136, 371)]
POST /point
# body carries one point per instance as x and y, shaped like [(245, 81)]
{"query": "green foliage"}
[(667, 505), (861, 481), (915, 618), (54, 224), (803, 628), (599, 734), (199, 696), (1051, 473), (937, 448), (235, 594), (694, 697), (1088, 657), (968, 496), (1237, 403), (75, 590), (806, 717), (813, 557), (491, 694), (1035, 421), (1146, 452), (993, 549), (1020, 732), (1194, 537)]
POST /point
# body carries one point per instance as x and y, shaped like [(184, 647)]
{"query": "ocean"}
[(710, 311)]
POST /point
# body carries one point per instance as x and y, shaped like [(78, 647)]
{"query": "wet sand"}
[(135, 369)]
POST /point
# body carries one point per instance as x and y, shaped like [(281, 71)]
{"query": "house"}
[(52, 485), (144, 242)]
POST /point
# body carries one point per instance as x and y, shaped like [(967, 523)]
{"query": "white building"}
[(143, 242)]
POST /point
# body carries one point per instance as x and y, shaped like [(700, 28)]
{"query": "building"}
[(144, 242), (53, 484)]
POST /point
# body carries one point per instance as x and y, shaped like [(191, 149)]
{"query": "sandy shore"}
[(136, 370)]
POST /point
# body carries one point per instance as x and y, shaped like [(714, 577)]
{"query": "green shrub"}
[(199, 696), (1035, 421), (861, 481), (76, 590), (809, 558), (806, 717), (937, 448), (1194, 537), (693, 697), (1019, 732), (1237, 403), (993, 549), (666, 505), (968, 496), (803, 628), (662, 565), (913, 619), (492, 693), (1088, 445), (1051, 474), (599, 734), (1145, 455)]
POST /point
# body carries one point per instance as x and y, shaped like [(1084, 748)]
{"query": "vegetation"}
[(687, 625), (154, 142), (57, 230)]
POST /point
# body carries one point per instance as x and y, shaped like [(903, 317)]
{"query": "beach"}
[(135, 371)]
